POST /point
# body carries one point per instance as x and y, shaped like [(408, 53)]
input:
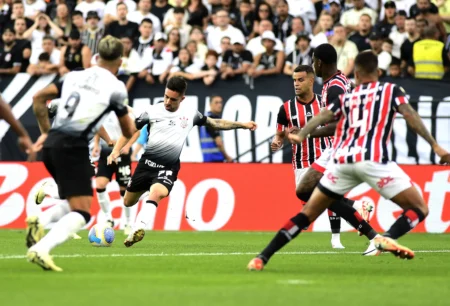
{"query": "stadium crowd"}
[(224, 39)]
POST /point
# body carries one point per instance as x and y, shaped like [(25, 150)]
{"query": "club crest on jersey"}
[(184, 122)]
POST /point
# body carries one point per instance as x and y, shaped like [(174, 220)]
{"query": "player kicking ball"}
[(169, 124), (366, 116)]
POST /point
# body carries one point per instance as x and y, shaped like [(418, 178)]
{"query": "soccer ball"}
[(101, 235)]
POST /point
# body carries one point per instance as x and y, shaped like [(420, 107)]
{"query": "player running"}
[(88, 96), (294, 114), (169, 124), (366, 118)]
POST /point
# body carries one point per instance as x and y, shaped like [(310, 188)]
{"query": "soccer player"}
[(169, 124), (87, 96), (24, 140), (295, 113), (366, 117)]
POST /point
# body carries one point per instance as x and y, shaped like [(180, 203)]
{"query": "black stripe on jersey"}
[(361, 98), (295, 122), (385, 158), (323, 145), (345, 113), (375, 114), (311, 148)]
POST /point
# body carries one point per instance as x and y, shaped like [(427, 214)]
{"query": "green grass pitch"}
[(209, 268)]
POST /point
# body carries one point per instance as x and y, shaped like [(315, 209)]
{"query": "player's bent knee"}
[(101, 182), (86, 215), (304, 196)]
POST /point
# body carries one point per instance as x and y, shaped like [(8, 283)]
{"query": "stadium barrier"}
[(227, 197), (259, 102)]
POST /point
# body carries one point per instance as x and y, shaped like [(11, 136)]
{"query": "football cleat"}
[(34, 231), (44, 260), (372, 250), (386, 244), (256, 264), (337, 245), (134, 237), (365, 210), (40, 194)]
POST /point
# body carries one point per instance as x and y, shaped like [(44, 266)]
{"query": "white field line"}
[(4, 257)]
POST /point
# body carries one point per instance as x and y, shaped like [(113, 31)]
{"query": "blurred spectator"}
[(18, 11), (303, 55), (230, 7), (75, 55), (121, 26), (384, 27), (424, 9), (93, 34), (52, 6), (271, 61), (4, 15), (283, 21), (198, 36), (63, 19), (111, 9), (335, 11), (421, 24), (131, 62), (398, 33), (304, 9), (184, 66), (145, 40), (211, 142), (33, 8), (47, 62), (142, 13), (361, 37), (323, 30), (198, 14), (160, 8), (173, 42), (298, 28), (23, 44), (209, 72), (384, 56), (87, 6), (157, 60), (430, 60), (444, 12), (246, 18), (223, 29), (395, 70), (255, 45), (169, 17), (78, 21), (406, 50), (350, 19), (183, 28), (225, 44), (197, 59), (346, 50), (401, 5), (42, 26), (263, 11), (236, 61), (10, 53)]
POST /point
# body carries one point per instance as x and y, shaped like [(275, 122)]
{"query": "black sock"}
[(406, 222), (345, 209), (335, 222), (289, 231)]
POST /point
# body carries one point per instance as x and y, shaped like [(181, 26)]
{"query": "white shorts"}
[(387, 179), (322, 162), (299, 174)]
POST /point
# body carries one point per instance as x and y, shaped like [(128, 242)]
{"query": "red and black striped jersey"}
[(296, 114), (336, 85), (366, 116)]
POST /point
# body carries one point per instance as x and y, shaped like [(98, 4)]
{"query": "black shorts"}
[(122, 169), (148, 173), (71, 169)]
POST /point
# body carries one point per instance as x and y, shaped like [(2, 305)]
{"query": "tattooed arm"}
[(325, 116), (40, 108), (221, 124)]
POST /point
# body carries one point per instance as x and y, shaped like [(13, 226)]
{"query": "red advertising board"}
[(231, 197)]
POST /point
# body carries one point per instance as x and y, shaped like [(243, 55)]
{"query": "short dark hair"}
[(367, 15), (301, 19), (402, 13), (211, 98), (395, 62), (9, 29), (212, 53), (367, 62), (44, 56), (177, 84), (245, 2), (178, 10), (389, 41), (148, 20), (304, 68), (326, 53), (121, 3), (430, 32), (77, 13), (17, 2), (49, 37)]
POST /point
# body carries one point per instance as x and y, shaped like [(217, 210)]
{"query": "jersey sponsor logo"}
[(172, 123), (384, 181), (7, 57), (184, 122), (332, 178)]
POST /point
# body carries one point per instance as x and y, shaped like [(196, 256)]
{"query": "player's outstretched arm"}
[(221, 124), (416, 124), (325, 116), (324, 131)]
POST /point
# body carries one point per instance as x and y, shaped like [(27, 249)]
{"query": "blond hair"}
[(110, 48)]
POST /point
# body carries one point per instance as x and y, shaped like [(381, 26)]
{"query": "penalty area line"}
[(6, 257)]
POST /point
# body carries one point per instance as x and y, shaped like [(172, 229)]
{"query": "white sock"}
[(53, 214), (357, 205), (336, 237), (51, 190), (61, 231), (146, 216), (127, 215), (103, 200)]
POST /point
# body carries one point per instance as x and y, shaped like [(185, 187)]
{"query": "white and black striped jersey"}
[(167, 131), (86, 98)]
